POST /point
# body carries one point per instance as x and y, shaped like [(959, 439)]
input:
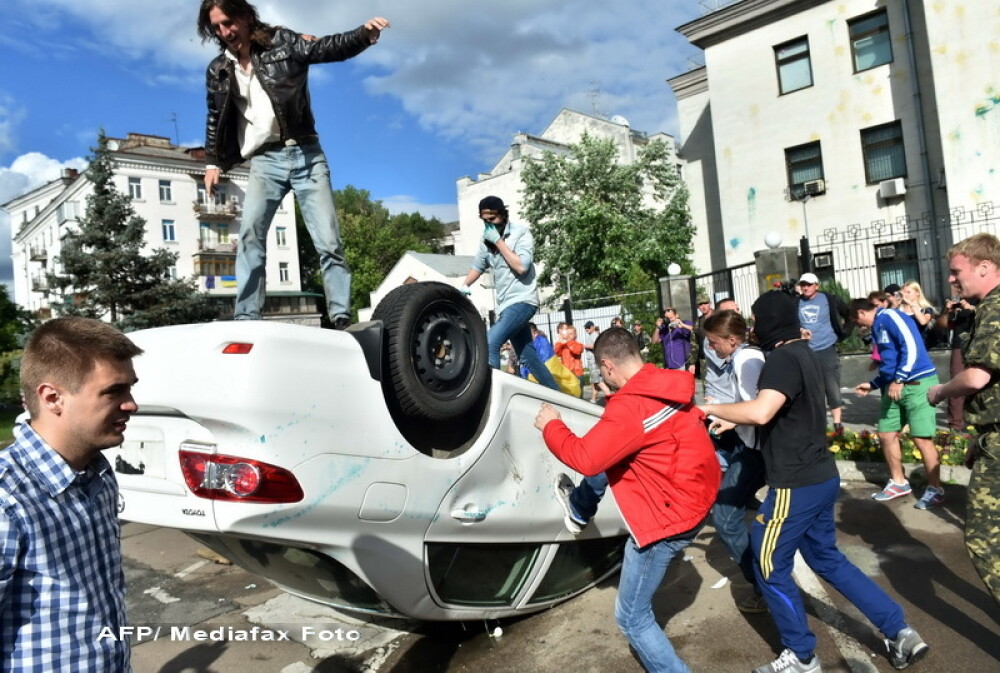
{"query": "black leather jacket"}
[(282, 70)]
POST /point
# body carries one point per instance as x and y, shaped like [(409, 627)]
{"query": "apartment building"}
[(868, 127), (165, 183)]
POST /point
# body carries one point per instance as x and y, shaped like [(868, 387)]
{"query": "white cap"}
[(808, 279)]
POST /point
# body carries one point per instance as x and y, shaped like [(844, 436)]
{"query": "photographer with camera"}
[(674, 335)]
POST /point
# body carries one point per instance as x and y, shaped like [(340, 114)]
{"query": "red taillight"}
[(219, 477), (237, 349)]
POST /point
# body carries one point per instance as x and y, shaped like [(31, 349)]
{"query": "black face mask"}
[(776, 319)]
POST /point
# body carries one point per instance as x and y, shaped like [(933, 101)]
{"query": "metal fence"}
[(861, 258)]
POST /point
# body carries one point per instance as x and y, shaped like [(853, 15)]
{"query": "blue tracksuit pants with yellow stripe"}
[(801, 519)]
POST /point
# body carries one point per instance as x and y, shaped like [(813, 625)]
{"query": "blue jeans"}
[(742, 478), (302, 168), (587, 496), (512, 325), (642, 572), (802, 519)]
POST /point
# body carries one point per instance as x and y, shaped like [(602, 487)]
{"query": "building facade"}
[(870, 128), (166, 186), (504, 179)]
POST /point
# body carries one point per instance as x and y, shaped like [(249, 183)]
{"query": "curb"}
[(876, 473)]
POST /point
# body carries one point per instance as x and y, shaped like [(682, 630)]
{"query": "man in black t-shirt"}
[(798, 513)]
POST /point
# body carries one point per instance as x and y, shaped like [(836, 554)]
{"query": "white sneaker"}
[(787, 662), (563, 487)]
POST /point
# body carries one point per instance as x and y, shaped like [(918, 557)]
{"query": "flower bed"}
[(864, 446)]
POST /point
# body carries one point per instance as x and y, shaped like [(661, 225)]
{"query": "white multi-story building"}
[(165, 183), (871, 127)]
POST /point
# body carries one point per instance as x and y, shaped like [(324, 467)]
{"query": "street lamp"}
[(673, 269)]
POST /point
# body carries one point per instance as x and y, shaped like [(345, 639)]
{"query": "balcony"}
[(39, 283), (227, 248), (217, 212), (38, 253)]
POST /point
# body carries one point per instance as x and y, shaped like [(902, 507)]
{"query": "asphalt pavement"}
[(207, 611)]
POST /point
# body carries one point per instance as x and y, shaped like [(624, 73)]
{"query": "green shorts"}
[(912, 408)]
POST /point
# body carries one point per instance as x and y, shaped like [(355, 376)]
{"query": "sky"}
[(438, 98)]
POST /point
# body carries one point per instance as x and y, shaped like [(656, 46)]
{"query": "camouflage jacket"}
[(982, 349)]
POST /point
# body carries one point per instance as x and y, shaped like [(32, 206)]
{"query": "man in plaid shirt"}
[(61, 578)]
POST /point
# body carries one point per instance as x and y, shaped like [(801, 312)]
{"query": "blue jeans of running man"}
[(512, 325), (743, 476), (642, 572), (304, 170), (802, 519), (587, 496)]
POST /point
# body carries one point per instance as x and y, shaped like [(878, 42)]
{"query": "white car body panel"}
[(305, 400)]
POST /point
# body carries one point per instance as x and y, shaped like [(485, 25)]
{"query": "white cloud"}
[(470, 72)]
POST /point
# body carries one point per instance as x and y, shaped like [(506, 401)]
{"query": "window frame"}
[(166, 191), (135, 188), (168, 225), (281, 237), (866, 147), (797, 189), (780, 62), (871, 33)]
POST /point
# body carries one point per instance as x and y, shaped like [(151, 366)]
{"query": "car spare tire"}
[(436, 348)]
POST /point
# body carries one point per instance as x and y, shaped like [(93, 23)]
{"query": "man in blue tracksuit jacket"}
[(905, 374)]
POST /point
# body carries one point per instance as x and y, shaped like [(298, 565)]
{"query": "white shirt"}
[(257, 124)]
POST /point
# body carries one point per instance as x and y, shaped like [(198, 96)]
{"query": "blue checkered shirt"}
[(61, 578)]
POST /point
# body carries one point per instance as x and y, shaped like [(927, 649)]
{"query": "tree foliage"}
[(106, 273), (616, 226), (373, 239)]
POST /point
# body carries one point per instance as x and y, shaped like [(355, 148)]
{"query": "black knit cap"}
[(775, 319), (494, 203)]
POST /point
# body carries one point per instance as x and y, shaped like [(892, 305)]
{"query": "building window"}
[(223, 231), (169, 233), (794, 67), (883, 151), (166, 193), (281, 235), (804, 164), (171, 273), (135, 188), (283, 272), (870, 43), (220, 195), (211, 265)]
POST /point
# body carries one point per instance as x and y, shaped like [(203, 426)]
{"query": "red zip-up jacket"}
[(653, 445)]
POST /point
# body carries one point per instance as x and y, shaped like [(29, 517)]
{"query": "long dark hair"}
[(260, 32)]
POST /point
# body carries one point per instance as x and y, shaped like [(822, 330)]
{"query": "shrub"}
[(864, 446)]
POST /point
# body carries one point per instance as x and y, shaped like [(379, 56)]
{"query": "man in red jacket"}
[(660, 462)]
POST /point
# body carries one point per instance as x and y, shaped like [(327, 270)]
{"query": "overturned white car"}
[(381, 469)]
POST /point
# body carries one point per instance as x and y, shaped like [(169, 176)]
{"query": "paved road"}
[(918, 557)]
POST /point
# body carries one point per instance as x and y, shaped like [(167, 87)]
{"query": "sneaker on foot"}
[(754, 604), (787, 662), (563, 487), (906, 648), (838, 427), (341, 322), (893, 490), (931, 498)]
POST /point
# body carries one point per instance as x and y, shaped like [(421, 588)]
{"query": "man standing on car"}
[(974, 266), (509, 250), (61, 579), (259, 110), (822, 315), (659, 460)]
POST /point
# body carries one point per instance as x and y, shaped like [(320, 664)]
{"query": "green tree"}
[(373, 239), (616, 226), (105, 272)]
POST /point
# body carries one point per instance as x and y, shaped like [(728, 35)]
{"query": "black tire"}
[(436, 347)]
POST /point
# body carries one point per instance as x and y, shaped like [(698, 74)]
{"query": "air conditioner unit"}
[(885, 252), (814, 187), (823, 261), (889, 189)]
